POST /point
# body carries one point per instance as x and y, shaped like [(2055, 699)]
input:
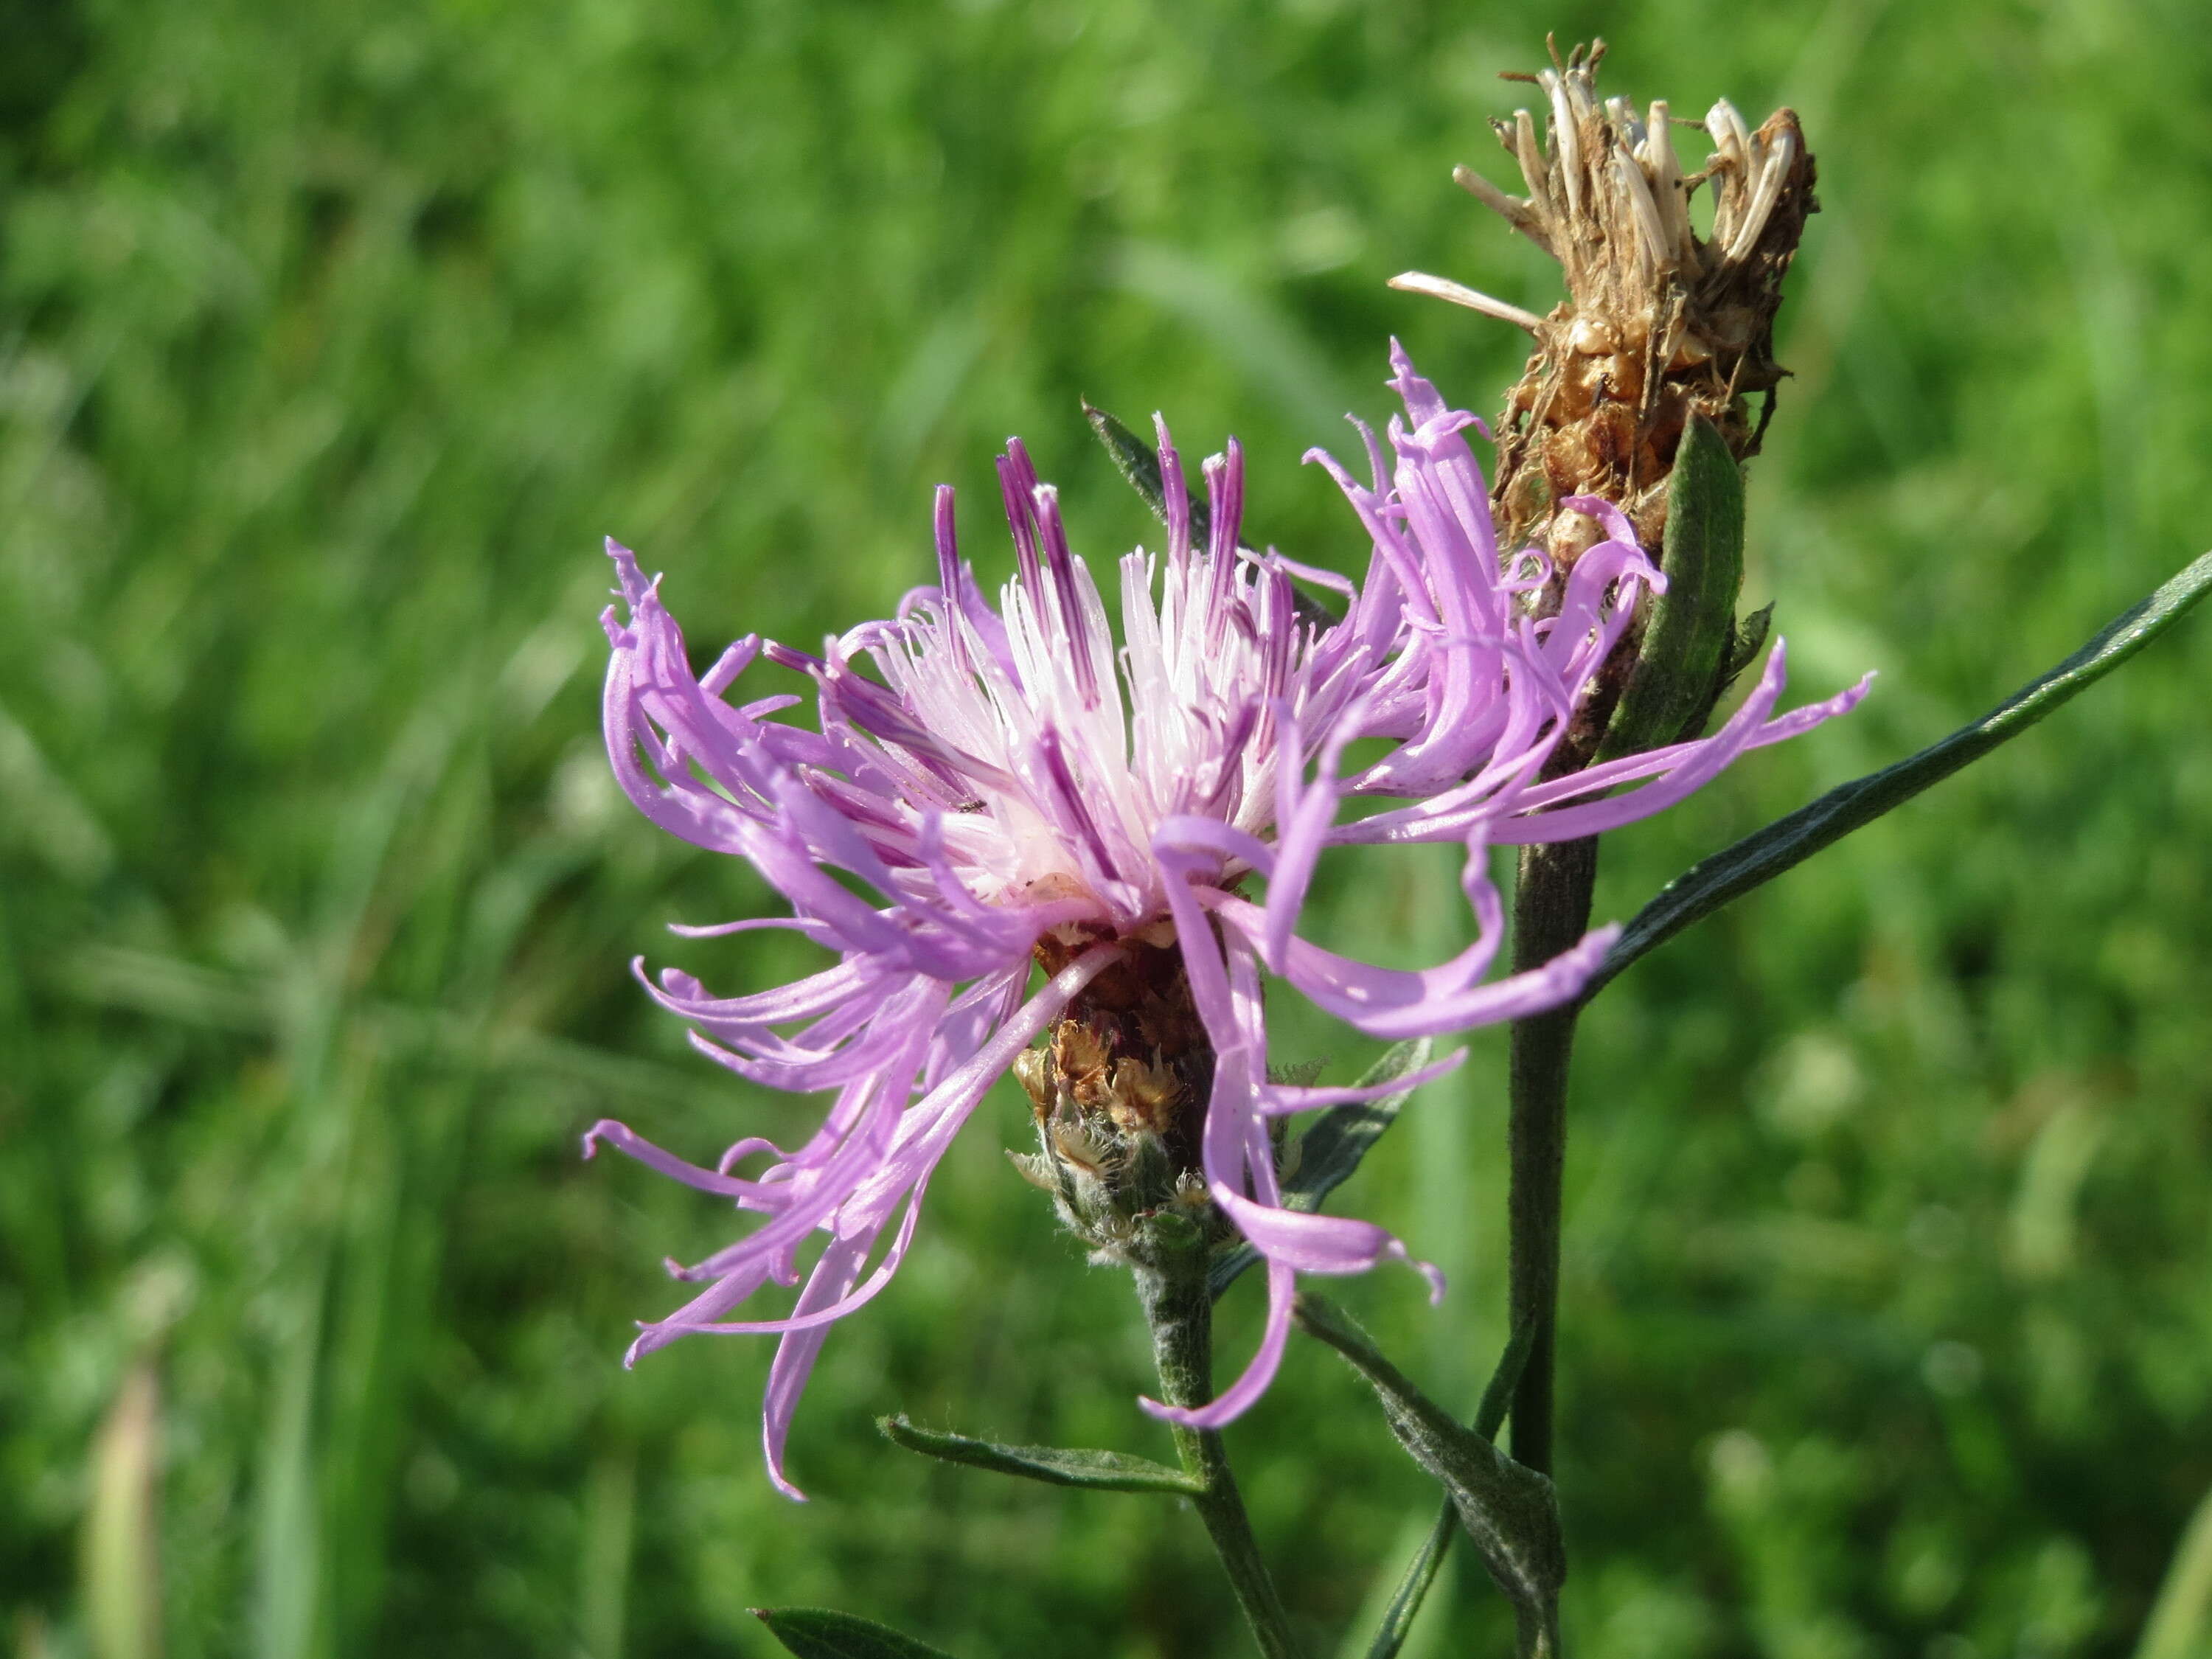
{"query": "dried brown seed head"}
[(1659, 321)]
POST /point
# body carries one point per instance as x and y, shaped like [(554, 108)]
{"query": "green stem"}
[(1538, 1635), (1551, 911), (1179, 1308)]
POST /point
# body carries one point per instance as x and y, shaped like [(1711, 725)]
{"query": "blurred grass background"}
[(333, 338)]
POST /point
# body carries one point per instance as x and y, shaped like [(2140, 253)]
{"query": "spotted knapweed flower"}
[(1021, 798)]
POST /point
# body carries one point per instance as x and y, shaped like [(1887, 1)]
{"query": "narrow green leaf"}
[(1764, 855), (1421, 1571), (1331, 1146), (1750, 639), (819, 1634), (1139, 463), (1509, 1512), (1099, 1471), (1684, 655)]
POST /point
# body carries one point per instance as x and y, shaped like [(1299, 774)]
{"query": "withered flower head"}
[(1659, 323)]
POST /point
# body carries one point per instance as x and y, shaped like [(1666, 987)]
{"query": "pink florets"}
[(997, 780)]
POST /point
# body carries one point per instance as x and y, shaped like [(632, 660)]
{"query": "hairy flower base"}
[(1018, 795)]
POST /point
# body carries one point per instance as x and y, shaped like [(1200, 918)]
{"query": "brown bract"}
[(1131, 1049)]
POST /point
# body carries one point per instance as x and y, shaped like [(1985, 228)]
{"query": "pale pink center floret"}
[(1072, 754)]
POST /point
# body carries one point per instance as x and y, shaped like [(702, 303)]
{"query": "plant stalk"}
[(1179, 1308), (1551, 912)]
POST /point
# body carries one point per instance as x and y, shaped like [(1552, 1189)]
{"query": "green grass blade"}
[(2180, 1625), (1761, 857), (603, 1573), (122, 1595)]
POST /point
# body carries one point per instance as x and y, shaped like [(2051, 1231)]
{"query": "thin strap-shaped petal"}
[(1245, 1393), (795, 1355), (1396, 1003), (811, 930), (1780, 729), (627, 1141), (822, 1312), (1573, 823), (802, 998), (1311, 1243), (1231, 1111), (1282, 1099)]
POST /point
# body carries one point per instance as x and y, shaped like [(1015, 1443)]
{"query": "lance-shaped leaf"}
[(1750, 639), (1099, 1471), (1761, 856), (819, 1634), (1413, 1585), (1509, 1512), (1331, 1146), (1139, 463), (1684, 659)]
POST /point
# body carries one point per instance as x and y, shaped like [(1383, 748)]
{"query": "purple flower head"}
[(1015, 794)]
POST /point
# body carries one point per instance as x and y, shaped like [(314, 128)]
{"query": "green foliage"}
[(1788, 841), (333, 339), (1510, 1513), (818, 1633), (1056, 1465)]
